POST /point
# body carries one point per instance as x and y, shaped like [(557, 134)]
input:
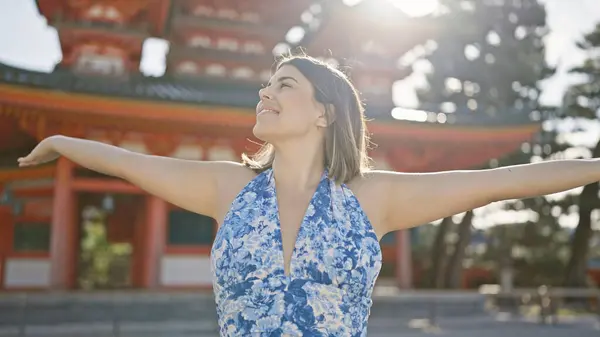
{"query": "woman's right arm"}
[(192, 185)]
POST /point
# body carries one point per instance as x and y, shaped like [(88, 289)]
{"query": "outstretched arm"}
[(414, 199), (192, 185)]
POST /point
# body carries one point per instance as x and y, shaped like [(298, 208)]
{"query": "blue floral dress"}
[(333, 268)]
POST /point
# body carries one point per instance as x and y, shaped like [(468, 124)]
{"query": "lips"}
[(268, 111), (265, 109)]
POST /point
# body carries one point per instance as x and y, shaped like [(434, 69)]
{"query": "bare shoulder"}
[(371, 189), (232, 177)]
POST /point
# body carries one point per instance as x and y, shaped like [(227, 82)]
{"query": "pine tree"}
[(582, 105), (487, 67)]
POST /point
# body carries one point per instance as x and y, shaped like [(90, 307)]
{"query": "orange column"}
[(403, 260), (6, 237), (62, 248), (137, 270), (154, 240)]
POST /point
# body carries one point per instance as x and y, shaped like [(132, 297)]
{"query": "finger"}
[(26, 161)]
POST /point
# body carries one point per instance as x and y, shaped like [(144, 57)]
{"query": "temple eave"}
[(65, 105)]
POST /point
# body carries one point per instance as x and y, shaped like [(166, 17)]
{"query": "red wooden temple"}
[(201, 108)]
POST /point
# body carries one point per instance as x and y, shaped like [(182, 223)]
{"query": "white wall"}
[(185, 270), (27, 273)]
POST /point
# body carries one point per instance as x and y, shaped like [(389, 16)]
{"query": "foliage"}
[(487, 68), (582, 104), (100, 259)]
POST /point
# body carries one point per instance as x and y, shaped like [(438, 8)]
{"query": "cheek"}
[(297, 118), (298, 109)]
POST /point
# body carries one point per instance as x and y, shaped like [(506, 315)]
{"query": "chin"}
[(265, 134), (270, 132)]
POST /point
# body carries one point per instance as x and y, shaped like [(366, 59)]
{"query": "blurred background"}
[(447, 84)]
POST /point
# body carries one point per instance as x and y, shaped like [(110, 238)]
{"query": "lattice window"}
[(227, 43), (216, 70), (202, 10), (227, 13), (253, 47), (187, 67), (250, 17), (199, 41), (243, 72), (101, 64), (103, 12), (189, 229), (31, 237)]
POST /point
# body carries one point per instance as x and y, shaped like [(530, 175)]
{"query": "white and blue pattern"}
[(333, 268)]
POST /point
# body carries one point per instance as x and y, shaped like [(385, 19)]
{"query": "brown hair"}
[(346, 139)]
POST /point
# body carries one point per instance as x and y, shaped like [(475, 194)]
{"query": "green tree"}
[(486, 69), (581, 106)]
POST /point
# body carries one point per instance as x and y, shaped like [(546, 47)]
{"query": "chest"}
[(322, 236), (292, 210)]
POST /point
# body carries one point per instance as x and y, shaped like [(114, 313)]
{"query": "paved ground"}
[(476, 326), (193, 315), (491, 327)]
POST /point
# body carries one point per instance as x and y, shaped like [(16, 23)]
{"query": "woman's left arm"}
[(412, 199)]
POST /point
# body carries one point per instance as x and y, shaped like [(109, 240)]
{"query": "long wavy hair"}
[(346, 138)]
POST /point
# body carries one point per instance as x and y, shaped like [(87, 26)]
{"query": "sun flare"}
[(410, 7), (416, 7)]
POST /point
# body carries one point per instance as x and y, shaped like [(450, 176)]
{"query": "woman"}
[(297, 249)]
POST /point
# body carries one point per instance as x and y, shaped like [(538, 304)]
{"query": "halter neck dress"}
[(333, 268)]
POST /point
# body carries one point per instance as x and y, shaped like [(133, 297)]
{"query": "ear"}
[(326, 116)]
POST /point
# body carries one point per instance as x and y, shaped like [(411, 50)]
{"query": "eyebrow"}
[(283, 78)]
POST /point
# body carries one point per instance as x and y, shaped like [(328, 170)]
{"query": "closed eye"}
[(282, 85)]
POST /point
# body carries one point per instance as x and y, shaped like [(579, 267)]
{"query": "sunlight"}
[(410, 114), (410, 7), (416, 7)]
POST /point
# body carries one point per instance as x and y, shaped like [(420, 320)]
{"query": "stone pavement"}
[(193, 314), (489, 326), (475, 326)]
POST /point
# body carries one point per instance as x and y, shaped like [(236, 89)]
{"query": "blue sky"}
[(26, 41)]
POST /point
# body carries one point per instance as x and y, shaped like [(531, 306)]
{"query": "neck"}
[(298, 165)]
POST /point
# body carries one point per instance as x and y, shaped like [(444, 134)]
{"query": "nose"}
[(264, 94)]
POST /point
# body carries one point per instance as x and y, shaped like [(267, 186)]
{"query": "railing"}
[(549, 299), (113, 314), (126, 313), (434, 301), (122, 313)]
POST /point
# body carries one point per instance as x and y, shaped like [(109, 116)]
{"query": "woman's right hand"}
[(197, 186), (42, 153)]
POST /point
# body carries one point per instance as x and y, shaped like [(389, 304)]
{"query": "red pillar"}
[(154, 240), (62, 247), (6, 235), (403, 260), (139, 239)]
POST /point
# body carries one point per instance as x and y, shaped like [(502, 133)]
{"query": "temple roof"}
[(155, 13), (370, 44), (194, 91), (221, 104)]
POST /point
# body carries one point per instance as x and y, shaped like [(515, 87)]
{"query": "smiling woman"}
[(297, 252)]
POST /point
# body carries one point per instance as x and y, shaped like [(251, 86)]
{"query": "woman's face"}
[(287, 107)]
